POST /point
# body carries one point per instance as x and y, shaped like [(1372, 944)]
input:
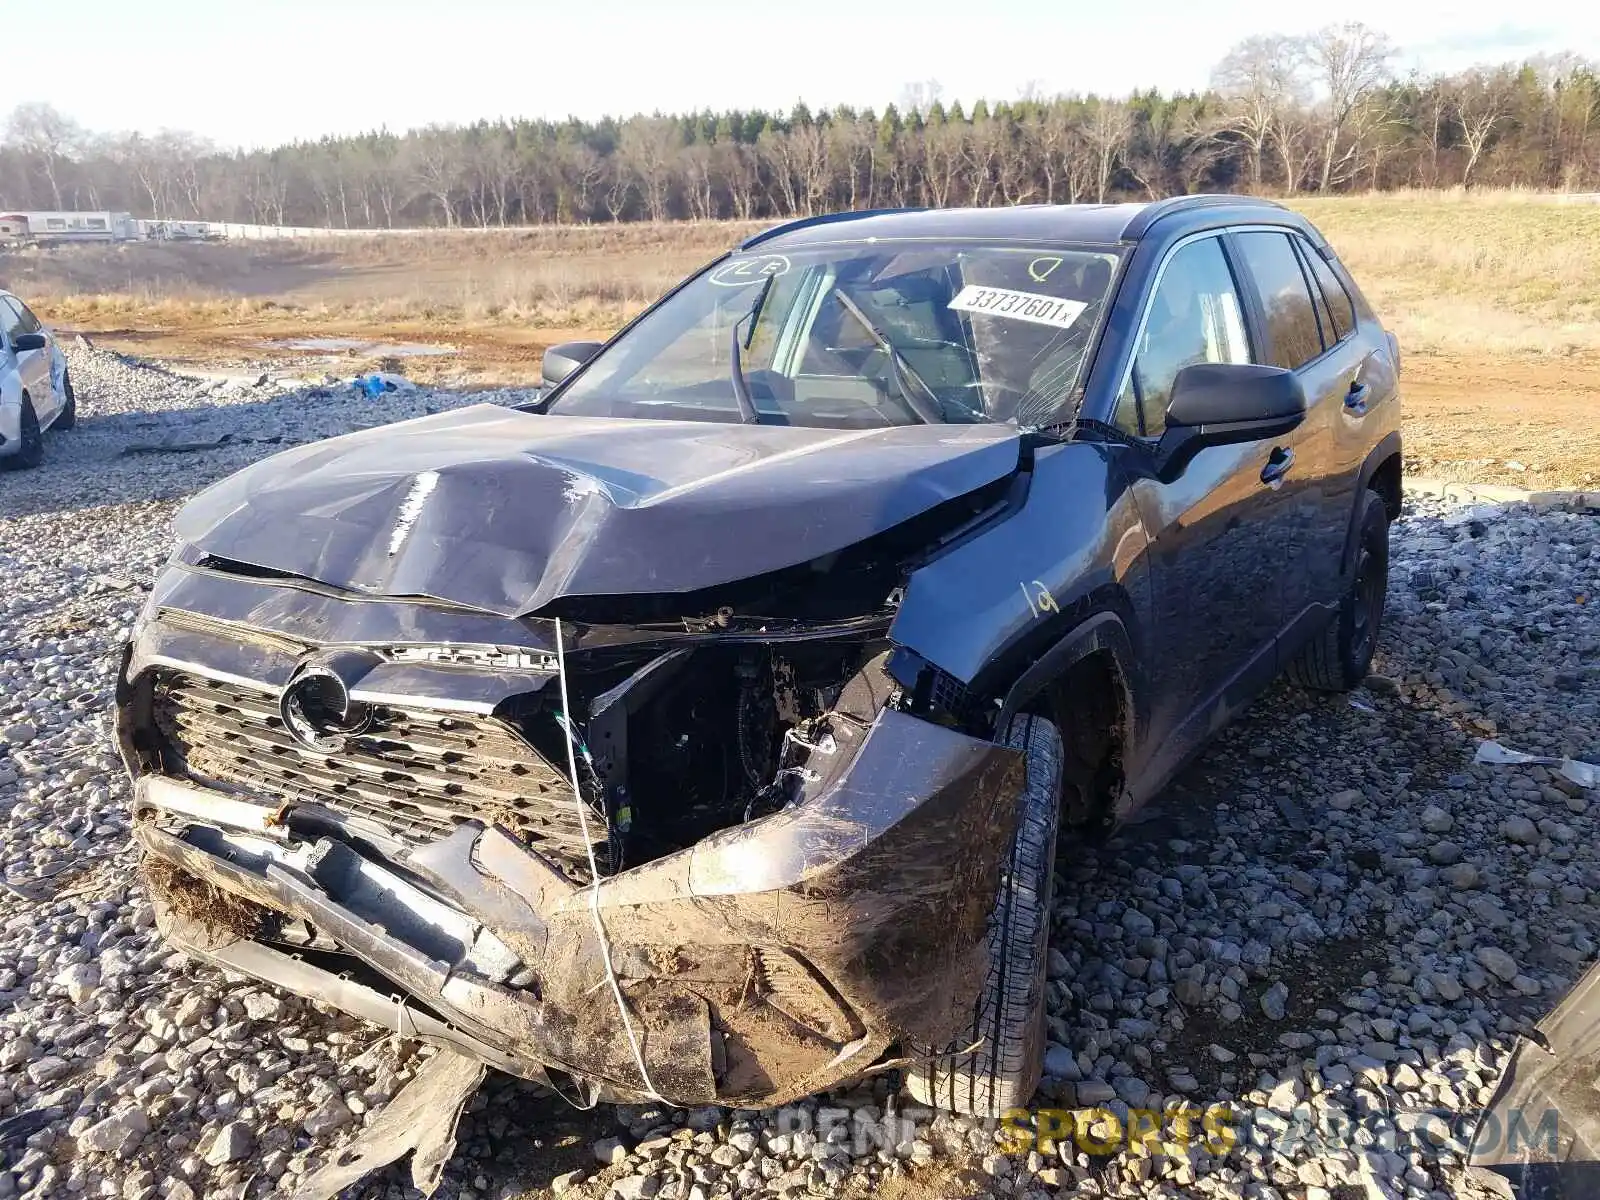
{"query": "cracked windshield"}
[(862, 336)]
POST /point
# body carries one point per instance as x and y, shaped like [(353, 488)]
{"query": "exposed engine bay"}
[(698, 740)]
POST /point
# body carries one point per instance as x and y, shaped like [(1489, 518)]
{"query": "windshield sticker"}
[(1018, 306), (742, 272)]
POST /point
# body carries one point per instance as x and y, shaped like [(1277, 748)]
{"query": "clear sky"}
[(252, 73)]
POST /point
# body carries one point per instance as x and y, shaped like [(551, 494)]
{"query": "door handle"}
[(1355, 400), (1277, 466)]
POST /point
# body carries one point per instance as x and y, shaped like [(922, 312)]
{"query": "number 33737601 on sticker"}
[(1018, 306)]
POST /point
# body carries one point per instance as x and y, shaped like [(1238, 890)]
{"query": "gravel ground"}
[(1333, 921)]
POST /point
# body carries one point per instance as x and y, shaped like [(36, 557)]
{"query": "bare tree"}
[(1296, 150), (51, 137), (699, 181), (1107, 133), (1351, 60), (1018, 175), (987, 144), (1433, 124), (1260, 78), (850, 160), (1482, 102), (741, 173), (581, 171), (943, 150), (648, 148), (433, 161), (619, 188)]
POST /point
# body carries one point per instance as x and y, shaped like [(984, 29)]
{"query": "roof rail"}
[(820, 219), (1154, 211)]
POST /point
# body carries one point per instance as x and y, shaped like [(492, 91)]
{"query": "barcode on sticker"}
[(1018, 306)]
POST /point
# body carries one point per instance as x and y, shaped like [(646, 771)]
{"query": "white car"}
[(35, 386)]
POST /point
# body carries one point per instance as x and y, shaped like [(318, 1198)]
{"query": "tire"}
[(32, 452), (1008, 1024), (67, 418), (1339, 658)]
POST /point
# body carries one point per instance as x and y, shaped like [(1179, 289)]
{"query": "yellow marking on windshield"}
[(1040, 269)]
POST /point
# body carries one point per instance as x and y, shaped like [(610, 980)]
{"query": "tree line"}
[(1282, 115)]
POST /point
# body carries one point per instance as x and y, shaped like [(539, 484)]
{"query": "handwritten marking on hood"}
[(411, 509)]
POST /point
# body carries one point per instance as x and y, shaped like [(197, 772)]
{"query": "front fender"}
[(989, 607), (10, 411)]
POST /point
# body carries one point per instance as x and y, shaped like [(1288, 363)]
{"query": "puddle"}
[(359, 347)]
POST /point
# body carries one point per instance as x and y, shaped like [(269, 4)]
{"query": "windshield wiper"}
[(741, 390), (899, 367)]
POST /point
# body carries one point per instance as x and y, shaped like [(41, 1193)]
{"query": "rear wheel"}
[(1340, 657), (994, 1065), (68, 416), (32, 452)]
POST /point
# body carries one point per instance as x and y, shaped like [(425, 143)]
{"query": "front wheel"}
[(1339, 658), (31, 452), (994, 1065)]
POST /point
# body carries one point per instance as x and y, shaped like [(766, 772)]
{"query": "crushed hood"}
[(508, 511)]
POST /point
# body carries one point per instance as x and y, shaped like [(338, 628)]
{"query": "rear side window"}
[(1340, 308), (1285, 298)]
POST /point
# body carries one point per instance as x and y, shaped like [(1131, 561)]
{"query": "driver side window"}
[(1194, 317), (26, 321)]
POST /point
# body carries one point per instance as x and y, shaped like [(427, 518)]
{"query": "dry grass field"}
[(1495, 297)]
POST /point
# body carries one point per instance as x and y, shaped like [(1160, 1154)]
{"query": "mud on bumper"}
[(772, 960)]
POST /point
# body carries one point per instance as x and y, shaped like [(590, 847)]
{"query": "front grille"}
[(418, 772)]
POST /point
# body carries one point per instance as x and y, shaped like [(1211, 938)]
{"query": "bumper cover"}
[(767, 962)]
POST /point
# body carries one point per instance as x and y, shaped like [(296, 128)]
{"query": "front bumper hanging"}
[(767, 962)]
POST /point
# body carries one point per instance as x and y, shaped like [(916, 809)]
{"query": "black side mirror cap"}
[(562, 360), (28, 341), (1225, 404)]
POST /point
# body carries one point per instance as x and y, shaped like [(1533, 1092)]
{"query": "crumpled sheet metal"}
[(505, 512), (421, 1120)]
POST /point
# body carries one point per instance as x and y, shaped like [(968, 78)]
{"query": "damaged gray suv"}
[(703, 731)]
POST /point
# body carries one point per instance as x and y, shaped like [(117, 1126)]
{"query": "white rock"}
[(332, 1115), (610, 1150), (79, 981), (233, 1142), (115, 1132), (263, 1006)]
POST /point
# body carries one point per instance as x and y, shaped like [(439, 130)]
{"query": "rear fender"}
[(1388, 448)]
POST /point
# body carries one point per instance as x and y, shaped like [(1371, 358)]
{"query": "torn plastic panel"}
[(1540, 1134)]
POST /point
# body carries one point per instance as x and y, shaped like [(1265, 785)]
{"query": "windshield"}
[(861, 335)]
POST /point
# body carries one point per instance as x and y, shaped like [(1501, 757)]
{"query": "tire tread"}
[(1008, 1018)]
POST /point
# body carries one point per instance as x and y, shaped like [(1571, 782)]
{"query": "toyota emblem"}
[(316, 706)]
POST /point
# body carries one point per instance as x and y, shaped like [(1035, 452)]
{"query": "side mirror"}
[(562, 360), (28, 341), (1224, 404)]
